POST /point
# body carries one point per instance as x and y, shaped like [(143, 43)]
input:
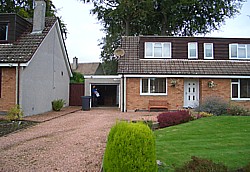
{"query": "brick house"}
[(184, 70), (34, 65)]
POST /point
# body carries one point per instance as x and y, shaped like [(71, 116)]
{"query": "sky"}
[(84, 30)]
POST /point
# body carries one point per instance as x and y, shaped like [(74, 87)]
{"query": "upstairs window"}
[(208, 51), (239, 51), (3, 32), (240, 89), (192, 50), (153, 86), (157, 50)]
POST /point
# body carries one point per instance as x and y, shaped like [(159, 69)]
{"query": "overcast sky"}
[(85, 31)]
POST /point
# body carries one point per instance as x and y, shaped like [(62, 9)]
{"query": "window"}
[(3, 32), (157, 50), (192, 50), (239, 51), (240, 89), (153, 86), (208, 51)]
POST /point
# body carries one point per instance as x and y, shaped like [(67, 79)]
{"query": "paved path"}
[(63, 142)]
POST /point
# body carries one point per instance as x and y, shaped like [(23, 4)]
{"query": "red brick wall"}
[(137, 101), (8, 94), (176, 95)]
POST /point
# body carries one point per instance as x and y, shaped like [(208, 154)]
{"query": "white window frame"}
[(196, 50), (153, 94), (246, 46), (205, 44), (162, 45), (238, 84)]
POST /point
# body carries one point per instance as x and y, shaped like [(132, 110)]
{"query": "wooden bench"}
[(158, 104)]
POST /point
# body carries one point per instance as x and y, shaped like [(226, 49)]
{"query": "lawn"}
[(224, 139)]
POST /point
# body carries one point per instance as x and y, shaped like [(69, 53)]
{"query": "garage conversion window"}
[(239, 51), (240, 89), (157, 50), (153, 86)]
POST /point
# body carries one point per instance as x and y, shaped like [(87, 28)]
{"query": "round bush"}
[(130, 147)]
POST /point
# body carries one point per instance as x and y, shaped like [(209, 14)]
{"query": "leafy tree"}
[(77, 78), (161, 17)]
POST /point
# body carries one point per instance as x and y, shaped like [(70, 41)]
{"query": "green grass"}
[(224, 139)]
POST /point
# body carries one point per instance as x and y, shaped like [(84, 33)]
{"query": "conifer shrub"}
[(130, 147), (171, 118)]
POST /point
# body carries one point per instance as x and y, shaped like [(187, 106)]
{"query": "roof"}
[(89, 69), (22, 50), (130, 63)]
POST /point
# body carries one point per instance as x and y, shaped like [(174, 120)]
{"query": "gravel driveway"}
[(72, 142)]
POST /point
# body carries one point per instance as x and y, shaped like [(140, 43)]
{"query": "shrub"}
[(171, 118), (213, 105), (205, 114), (58, 104), (15, 113), (130, 147), (201, 165), (235, 110)]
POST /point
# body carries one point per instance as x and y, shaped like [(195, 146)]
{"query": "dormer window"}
[(157, 50), (192, 50), (3, 32), (239, 51), (208, 51)]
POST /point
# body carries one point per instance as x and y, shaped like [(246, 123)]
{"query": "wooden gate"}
[(75, 93)]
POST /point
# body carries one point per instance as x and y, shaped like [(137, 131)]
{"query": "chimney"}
[(75, 63), (39, 16)]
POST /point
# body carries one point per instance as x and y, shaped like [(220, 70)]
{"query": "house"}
[(94, 68), (34, 65), (184, 71)]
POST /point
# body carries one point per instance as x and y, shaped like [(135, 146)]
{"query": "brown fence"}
[(75, 93)]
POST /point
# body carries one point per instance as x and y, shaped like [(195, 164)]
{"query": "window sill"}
[(153, 94)]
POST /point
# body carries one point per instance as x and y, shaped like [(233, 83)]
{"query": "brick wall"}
[(8, 90), (137, 101), (176, 95)]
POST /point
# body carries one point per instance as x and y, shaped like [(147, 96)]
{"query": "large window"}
[(157, 50), (239, 51), (154, 86), (208, 51), (192, 50), (3, 32), (240, 89)]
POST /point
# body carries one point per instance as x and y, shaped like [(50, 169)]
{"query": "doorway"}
[(109, 95), (191, 93)]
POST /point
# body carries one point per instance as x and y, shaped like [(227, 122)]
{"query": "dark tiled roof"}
[(131, 64), (89, 68), (23, 49)]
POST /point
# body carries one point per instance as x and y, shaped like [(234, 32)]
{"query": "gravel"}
[(63, 141)]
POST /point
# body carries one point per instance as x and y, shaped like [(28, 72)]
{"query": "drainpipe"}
[(18, 84), (123, 94)]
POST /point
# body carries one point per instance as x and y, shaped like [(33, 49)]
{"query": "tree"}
[(160, 17), (77, 78)]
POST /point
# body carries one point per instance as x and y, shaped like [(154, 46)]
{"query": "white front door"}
[(191, 93)]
